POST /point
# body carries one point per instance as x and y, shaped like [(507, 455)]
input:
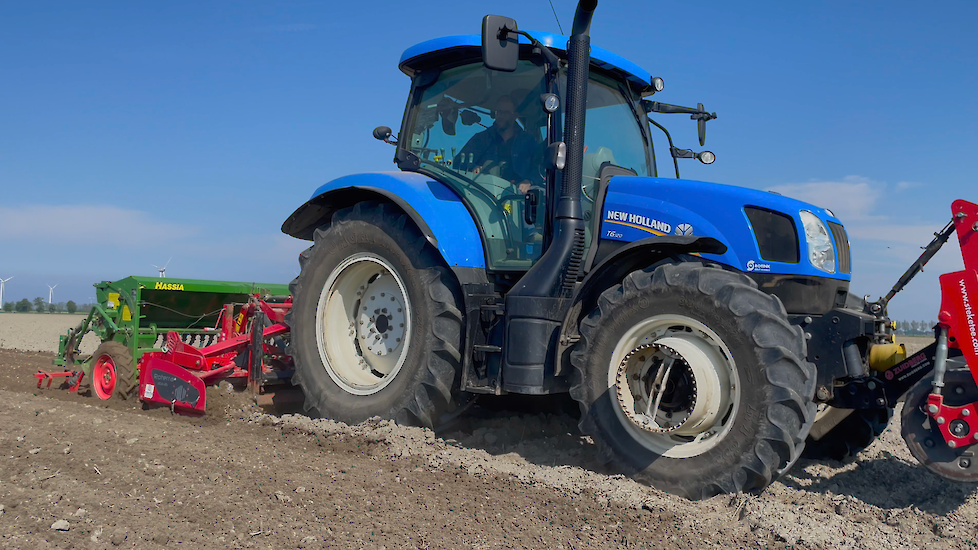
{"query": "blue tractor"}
[(702, 328)]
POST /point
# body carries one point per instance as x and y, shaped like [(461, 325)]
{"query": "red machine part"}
[(958, 425), (177, 376), (67, 375), (959, 316), (165, 383), (959, 290)]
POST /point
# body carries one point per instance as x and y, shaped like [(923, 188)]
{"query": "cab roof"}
[(432, 52)]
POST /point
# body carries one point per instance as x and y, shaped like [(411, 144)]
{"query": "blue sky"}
[(132, 132)]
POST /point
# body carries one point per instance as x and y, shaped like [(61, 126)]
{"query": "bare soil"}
[(125, 477)]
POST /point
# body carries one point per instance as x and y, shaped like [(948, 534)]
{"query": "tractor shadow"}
[(540, 429), (887, 482)]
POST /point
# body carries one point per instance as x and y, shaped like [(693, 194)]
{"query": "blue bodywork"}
[(637, 208), (441, 209)]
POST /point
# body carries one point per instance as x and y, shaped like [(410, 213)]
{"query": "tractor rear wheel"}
[(113, 371), (376, 327), (693, 381)]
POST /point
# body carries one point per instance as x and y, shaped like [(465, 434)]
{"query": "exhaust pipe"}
[(535, 306)]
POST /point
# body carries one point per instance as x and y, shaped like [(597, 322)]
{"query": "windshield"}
[(484, 133)]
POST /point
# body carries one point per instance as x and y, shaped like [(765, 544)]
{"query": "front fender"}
[(434, 207)]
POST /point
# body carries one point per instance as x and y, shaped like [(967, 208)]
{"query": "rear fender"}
[(435, 209)]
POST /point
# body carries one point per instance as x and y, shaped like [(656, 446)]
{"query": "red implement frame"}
[(959, 317), (177, 376), (50, 376)]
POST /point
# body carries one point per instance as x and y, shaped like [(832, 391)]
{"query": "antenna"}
[(555, 16), (51, 293), (2, 281), (162, 270)]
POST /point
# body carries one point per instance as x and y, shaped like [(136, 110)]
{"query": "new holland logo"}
[(684, 229), (168, 286)]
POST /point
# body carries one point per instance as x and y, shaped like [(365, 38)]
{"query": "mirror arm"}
[(665, 108), (671, 146)]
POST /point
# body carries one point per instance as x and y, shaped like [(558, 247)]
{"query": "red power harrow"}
[(940, 416), (248, 349)]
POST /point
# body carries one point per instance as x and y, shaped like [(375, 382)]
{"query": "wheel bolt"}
[(966, 412), (384, 310), (392, 298), (940, 419), (381, 294), (932, 409), (952, 444)]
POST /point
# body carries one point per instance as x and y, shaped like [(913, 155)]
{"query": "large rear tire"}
[(693, 381), (375, 326)]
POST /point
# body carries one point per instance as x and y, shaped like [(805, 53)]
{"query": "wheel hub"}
[(363, 324), (380, 318), (656, 388)]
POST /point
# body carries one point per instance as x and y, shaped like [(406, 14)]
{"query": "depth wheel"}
[(692, 380), (376, 327), (924, 438), (113, 371)]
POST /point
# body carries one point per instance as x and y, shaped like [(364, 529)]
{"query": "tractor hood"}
[(764, 231)]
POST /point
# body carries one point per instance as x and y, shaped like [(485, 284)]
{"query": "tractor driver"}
[(504, 149)]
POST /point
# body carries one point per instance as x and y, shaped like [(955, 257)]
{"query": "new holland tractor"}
[(702, 328)]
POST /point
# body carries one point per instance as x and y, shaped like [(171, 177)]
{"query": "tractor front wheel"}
[(693, 381), (375, 327), (113, 371)]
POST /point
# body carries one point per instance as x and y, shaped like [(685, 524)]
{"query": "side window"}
[(612, 135), (483, 133)]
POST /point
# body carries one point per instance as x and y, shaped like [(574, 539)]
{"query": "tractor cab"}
[(487, 134)]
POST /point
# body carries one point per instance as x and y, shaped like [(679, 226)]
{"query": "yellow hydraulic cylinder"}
[(886, 356)]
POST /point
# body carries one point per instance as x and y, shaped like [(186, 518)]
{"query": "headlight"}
[(821, 250)]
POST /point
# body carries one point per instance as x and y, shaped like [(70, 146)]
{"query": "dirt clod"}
[(60, 525)]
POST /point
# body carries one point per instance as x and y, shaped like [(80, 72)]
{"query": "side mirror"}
[(701, 126), (500, 43), (382, 133)]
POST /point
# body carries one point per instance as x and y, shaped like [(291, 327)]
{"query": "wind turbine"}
[(162, 270), (51, 293), (2, 281)]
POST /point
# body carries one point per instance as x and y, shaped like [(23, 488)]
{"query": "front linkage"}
[(940, 413)]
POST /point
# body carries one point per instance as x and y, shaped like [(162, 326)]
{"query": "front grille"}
[(777, 239), (841, 246)]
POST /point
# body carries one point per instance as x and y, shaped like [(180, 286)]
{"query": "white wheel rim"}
[(363, 324), (705, 395)]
